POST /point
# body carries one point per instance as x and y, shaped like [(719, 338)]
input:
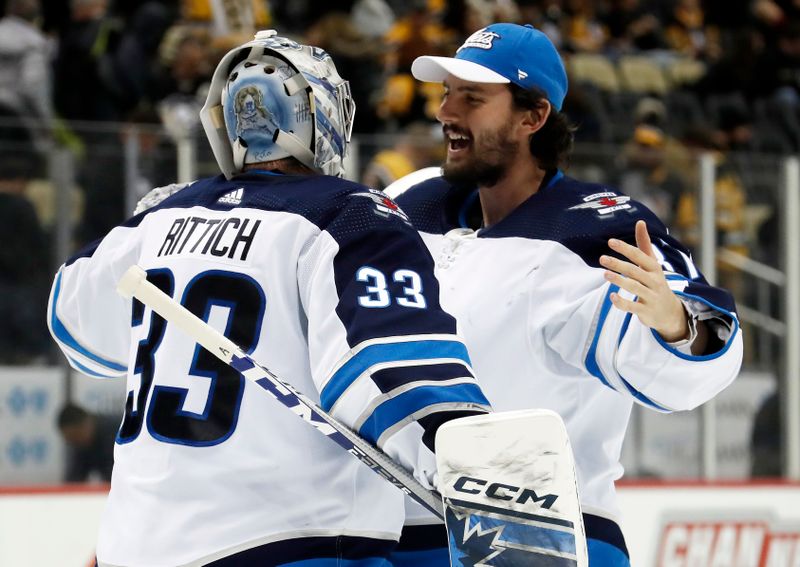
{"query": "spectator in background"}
[(734, 132), (102, 68), (685, 31), (420, 32), (351, 34), (403, 100), (730, 201), (583, 31), (245, 17), (185, 63), (736, 67), (771, 15), (419, 146), (646, 175), (777, 72), (90, 443), (135, 56), (25, 78), (24, 263), (545, 15), (459, 18), (632, 27), (652, 111), (83, 84)]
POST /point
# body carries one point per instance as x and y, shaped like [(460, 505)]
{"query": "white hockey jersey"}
[(325, 283), (534, 309)]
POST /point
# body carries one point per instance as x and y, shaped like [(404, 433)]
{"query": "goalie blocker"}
[(510, 491)]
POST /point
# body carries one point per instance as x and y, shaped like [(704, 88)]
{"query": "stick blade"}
[(510, 491)]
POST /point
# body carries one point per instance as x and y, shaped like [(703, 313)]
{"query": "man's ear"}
[(533, 119)]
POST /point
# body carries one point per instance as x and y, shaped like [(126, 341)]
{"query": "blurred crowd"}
[(653, 83)]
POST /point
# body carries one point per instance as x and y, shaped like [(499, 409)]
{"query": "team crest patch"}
[(384, 206), (604, 203), (481, 39)]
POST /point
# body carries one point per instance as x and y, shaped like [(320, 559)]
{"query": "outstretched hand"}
[(655, 305)]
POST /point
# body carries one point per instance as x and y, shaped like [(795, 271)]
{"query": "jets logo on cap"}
[(481, 39)]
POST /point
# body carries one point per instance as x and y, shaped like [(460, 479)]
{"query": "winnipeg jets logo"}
[(384, 206), (481, 39), (232, 198), (604, 203), (491, 540)]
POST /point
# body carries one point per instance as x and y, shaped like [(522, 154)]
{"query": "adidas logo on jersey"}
[(232, 198)]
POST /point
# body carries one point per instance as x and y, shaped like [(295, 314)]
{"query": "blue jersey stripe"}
[(633, 391), (388, 379), (86, 370), (714, 355), (388, 352), (64, 336), (591, 356), (402, 406), (644, 399)]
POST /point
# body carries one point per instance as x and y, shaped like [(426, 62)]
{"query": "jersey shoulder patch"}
[(380, 203), (604, 203)]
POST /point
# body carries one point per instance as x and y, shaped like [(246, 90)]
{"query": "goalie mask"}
[(273, 98)]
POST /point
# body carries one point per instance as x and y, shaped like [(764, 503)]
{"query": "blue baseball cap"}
[(502, 53)]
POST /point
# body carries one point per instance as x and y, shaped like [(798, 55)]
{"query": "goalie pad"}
[(508, 484)]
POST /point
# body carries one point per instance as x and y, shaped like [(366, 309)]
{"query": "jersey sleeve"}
[(631, 358), (84, 295), (385, 357)]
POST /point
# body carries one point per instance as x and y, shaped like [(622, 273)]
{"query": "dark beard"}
[(486, 169), (477, 173)]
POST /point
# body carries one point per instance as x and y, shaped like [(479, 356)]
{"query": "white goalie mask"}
[(273, 98)]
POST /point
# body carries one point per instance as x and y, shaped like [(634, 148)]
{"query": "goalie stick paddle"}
[(510, 491), (134, 284)]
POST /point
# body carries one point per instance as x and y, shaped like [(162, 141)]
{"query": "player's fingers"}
[(625, 304), (627, 269), (643, 239), (634, 255), (629, 284)]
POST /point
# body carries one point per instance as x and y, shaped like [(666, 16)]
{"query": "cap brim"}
[(432, 69)]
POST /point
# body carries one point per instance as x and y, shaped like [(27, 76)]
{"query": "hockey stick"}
[(134, 284)]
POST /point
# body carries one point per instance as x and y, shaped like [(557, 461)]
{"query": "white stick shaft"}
[(134, 284)]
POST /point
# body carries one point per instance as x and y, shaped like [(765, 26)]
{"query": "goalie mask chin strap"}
[(286, 141), (292, 144)]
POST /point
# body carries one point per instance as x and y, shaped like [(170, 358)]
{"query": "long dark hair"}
[(552, 144)]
